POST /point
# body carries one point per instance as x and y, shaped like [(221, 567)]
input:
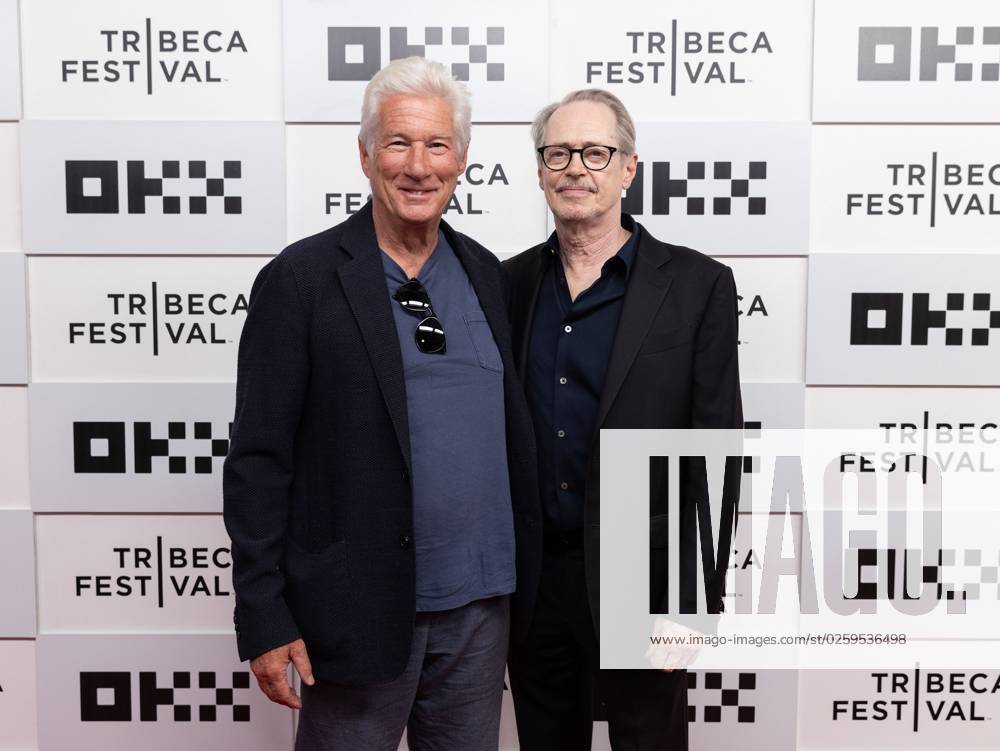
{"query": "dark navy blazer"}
[(673, 364), (317, 498)]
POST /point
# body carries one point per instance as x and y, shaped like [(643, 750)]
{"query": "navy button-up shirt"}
[(567, 362)]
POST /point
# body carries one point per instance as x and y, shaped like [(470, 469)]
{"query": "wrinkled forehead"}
[(579, 123), (416, 115)]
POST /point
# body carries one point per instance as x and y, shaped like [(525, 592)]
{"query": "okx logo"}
[(721, 188), (154, 57), (879, 319), (681, 57), (912, 699), (355, 53), (100, 447), (113, 696), (962, 53), (95, 186), (721, 704), (945, 578)]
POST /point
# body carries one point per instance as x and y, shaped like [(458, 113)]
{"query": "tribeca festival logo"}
[(462, 202), (744, 563), (954, 434), (159, 572), (156, 57), (716, 188), (681, 57), (877, 319), (928, 188), (157, 319), (885, 53), (922, 696), (107, 696), (93, 187), (751, 306), (354, 53)]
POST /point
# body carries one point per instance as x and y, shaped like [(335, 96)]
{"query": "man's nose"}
[(418, 161), (576, 165)]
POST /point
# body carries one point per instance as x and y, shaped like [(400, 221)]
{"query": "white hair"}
[(422, 77)]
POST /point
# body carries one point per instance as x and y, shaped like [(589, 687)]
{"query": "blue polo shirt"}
[(568, 358), (463, 528)]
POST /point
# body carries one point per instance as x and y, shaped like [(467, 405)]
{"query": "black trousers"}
[(559, 691)]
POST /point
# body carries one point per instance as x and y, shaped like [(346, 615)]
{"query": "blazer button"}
[(406, 475), (404, 542)]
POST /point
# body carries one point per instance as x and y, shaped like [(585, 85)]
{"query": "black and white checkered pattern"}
[(733, 703), (696, 172)]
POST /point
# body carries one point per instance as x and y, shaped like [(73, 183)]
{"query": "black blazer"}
[(316, 486), (673, 365)]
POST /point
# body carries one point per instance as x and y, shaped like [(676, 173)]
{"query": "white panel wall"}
[(840, 155)]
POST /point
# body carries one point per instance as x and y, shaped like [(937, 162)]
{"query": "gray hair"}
[(624, 127), (422, 77)]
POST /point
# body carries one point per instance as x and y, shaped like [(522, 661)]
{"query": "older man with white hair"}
[(382, 463)]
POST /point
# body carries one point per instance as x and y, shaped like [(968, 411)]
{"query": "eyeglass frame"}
[(541, 155)]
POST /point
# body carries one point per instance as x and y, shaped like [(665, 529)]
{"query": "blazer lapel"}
[(648, 285), (524, 314), (363, 281)]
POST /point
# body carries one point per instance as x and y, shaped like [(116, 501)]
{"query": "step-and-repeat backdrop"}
[(843, 156)]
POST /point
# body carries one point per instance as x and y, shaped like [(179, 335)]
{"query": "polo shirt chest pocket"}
[(482, 341)]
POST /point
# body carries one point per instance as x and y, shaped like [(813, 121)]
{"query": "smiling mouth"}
[(417, 192)]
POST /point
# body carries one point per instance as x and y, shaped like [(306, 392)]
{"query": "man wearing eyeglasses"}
[(381, 463), (613, 329)]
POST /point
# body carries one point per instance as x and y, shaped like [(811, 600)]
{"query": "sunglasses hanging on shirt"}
[(429, 334)]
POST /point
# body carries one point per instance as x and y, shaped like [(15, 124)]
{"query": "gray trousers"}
[(448, 697)]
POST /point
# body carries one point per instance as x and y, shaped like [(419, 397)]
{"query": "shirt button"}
[(564, 485), (567, 328), (561, 433), (562, 381)]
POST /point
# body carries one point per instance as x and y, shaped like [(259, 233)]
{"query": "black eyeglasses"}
[(557, 158), (429, 335)]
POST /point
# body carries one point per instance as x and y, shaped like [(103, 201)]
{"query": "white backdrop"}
[(840, 155)]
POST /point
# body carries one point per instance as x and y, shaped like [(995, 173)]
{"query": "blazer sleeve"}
[(272, 376), (716, 403)]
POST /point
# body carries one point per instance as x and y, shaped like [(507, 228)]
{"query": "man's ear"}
[(630, 168), (365, 157)]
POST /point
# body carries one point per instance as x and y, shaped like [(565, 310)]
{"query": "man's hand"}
[(271, 669), (676, 656)]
